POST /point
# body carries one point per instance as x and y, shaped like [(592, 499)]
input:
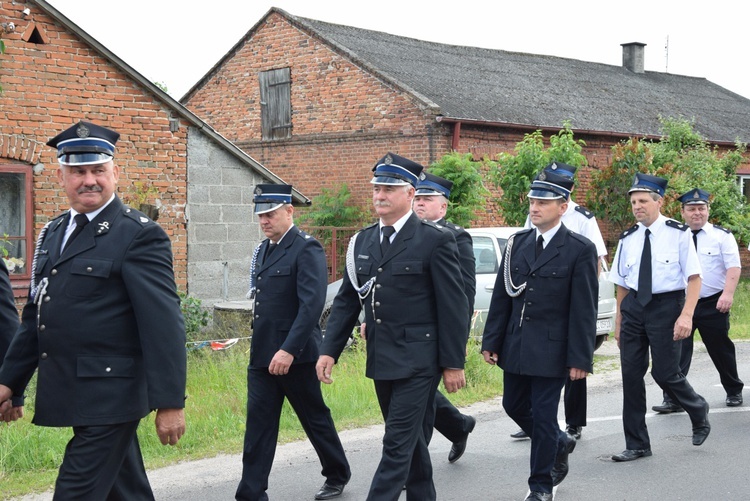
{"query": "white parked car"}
[(489, 244)]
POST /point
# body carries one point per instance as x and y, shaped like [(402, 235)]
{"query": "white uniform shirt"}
[(673, 257), (717, 252), (579, 223)]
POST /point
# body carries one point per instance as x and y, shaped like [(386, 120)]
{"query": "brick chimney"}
[(633, 56)]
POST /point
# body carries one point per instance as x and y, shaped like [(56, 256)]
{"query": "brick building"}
[(318, 103), (54, 74)]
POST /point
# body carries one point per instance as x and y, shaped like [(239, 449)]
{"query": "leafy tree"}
[(333, 208), (513, 173), (686, 160), (468, 193), (608, 191)]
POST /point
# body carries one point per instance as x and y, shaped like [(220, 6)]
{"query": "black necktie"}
[(386, 242), (271, 247), (644, 274), (81, 221), (539, 246), (695, 237)]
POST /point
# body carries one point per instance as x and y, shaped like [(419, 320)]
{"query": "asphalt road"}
[(496, 466)]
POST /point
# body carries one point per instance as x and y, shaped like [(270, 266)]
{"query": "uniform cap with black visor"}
[(553, 182), (85, 143), (269, 197), (395, 170), (434, 185)]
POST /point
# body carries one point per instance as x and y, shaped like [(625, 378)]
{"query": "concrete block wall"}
[(222, 229)]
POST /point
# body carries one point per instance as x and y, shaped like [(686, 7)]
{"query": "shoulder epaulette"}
[(525, 230), (676, 225), (722, 229), (432, 224), (136, 215), (583, 210), (629, 231), (302, 234)]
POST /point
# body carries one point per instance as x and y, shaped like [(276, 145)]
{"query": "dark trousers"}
[(713, 326), (449, 422), (103, 462), (265, 398), (575, 402), (407, 406), (532, 402), (652, 326)]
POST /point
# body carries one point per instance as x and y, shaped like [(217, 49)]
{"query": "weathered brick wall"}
[(49, 86), (344, 118)]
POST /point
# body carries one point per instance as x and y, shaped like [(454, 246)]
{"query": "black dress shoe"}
[(734, 400), (539, 496), (667, 407), (575, 431), (561, 466), (330, 491), (631, 454), (458, 448), (701, 430), (519, 435)]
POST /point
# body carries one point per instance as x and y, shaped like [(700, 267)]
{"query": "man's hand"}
[(11, 414), (453, 379), (170, 425), (724, 304), (280, 363), (362, 331), (490, 357), (683, 326), (576, 374), (324, 368)]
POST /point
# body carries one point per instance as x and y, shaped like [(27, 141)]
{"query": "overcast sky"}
[(177, 41)]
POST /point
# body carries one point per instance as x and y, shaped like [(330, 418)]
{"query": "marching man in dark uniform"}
[(720, 266), (431, 203), (8, 327), (288, 277), (102, 326), (582, 221), (405, 273), (541, 326), (658, 279)]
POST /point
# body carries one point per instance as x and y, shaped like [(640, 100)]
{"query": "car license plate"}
[(604, 324)]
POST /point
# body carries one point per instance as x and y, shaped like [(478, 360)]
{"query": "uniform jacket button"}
[(380, 270), (43, 356), (46, 299), (53, 272), (42, 327), (108, 369), (378, 321), (377, 303), (89, 269)]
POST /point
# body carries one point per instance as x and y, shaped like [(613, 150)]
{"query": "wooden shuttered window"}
[(276, 104)]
